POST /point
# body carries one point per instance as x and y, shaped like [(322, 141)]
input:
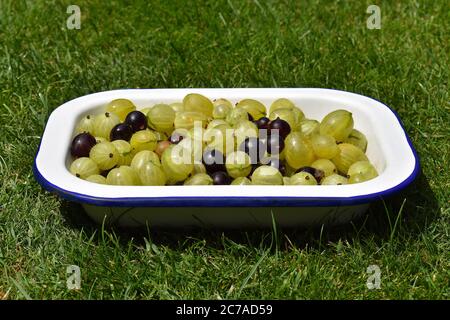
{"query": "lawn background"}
[(170, 44)]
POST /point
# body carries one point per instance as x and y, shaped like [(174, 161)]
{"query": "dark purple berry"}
[(213, 161), (262, 123), (105, 172), (82, 144), (137, 120), (175, 138), (275, 144), (282, 126), (318, 174), (254, 147), (220, 178), (121, 131), (282, 169)]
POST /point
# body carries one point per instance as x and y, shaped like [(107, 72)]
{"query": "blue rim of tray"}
[(232, 201)]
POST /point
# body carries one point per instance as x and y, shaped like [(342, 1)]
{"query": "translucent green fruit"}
[(238, 164), (348, 155), (358, 139), (198, 180), (241, 181), (267, 175), (105, 155), (309, 127), (103, 124), (152, 175), (255, 108), (125, 152), (334, 179), (143, 157), (198, 103), (83, 168), (143, 140), (361, 171), (324, 146), (338, 124), (303, 178), (86, 124), (326, 165), (123, 176), (298, 150), (96, 178), (120, 108), (176, 165), (161, 118)]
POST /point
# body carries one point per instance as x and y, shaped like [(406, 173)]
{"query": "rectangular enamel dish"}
[(389, 149)]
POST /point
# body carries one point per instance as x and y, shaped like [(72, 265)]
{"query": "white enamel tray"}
[(389, 149)]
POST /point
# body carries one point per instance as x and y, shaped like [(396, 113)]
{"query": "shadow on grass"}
[(401, 216)]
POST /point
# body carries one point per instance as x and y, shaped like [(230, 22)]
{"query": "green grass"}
[(132, 44)]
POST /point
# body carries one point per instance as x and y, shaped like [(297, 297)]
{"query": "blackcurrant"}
[(82, 144), (220, 178), (254, 147), (262, 123), (282, 126), (137, 120), (275, 144), (175, 138), (213, 160), (121, 131)]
